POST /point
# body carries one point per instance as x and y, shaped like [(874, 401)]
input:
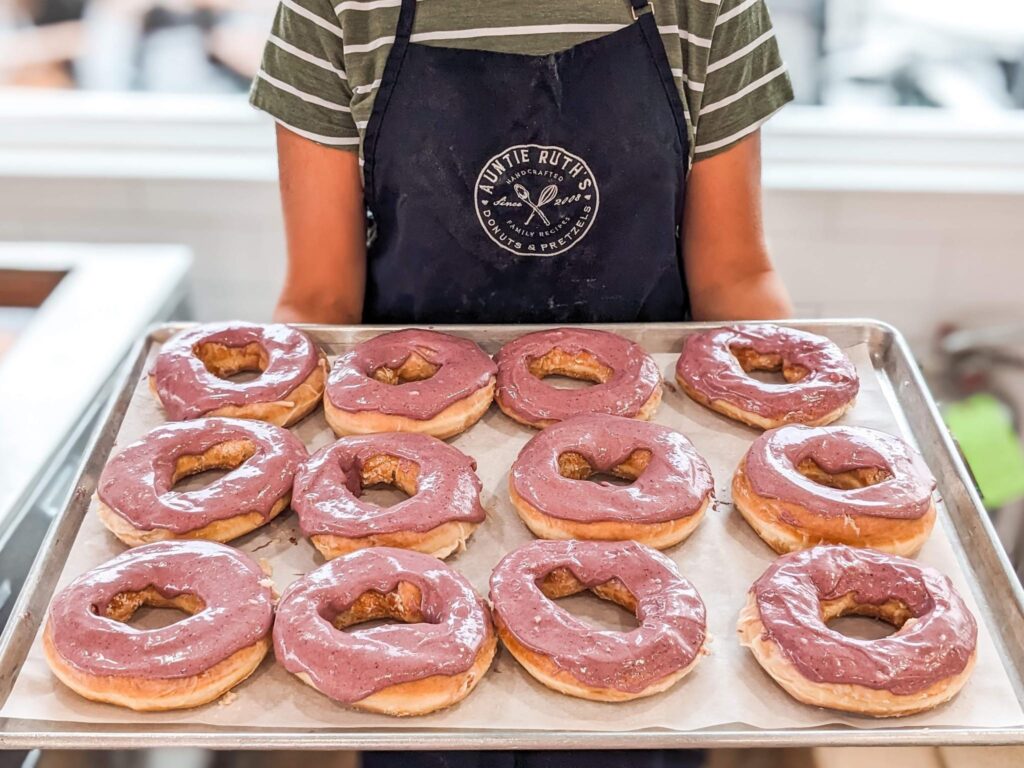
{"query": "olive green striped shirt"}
[(323, 61)]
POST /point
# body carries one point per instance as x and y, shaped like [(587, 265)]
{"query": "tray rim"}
[(45, 571)]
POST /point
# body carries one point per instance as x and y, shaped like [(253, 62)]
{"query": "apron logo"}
[(536, 200)]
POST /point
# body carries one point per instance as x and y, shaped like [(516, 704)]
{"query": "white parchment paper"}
[(722, 558)]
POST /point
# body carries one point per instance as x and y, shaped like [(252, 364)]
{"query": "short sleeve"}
[(746, 81), (301, 82)]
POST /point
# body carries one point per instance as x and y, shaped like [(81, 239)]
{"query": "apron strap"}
[(652, 37), (405, 19), (392, 68)]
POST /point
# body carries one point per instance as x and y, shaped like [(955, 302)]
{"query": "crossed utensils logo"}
[(549, 193)]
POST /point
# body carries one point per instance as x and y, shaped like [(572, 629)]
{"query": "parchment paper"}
[(722, 558)]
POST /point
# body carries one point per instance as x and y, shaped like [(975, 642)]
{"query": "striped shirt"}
[(323, 61)]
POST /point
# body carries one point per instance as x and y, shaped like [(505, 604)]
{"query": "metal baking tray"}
[(998, 593)]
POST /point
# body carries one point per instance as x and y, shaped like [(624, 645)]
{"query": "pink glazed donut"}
[(137, 501), (801, 486), (442, 511), (821, 382), (925, 663), (431, 662), (92, 650), (670, 488), (626, 379), (569, 655), (191, 375), (410, 381)]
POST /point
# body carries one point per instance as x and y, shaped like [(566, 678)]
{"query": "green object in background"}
[(984, 428)]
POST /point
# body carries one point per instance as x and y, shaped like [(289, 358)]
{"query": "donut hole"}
[(848, 480), (864, 621), (402, 605), (608, 606), (574, 466), (149, 609), (232, 363), (195, 471), (385, 480), (562, 370), (767, 368), (414, 368)]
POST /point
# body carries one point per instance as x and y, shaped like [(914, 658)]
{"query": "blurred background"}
[(894, 189)]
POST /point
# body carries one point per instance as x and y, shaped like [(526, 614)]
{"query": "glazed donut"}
[(801, 486), (442, 512), (627, 380), (190, 377), (670, 489), (136, 499), (431, 662), (94, 652), (410, 381), (570, 656), (821, 386), (924, 664)]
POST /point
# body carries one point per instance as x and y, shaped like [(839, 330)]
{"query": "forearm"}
[(758, 296), (729, 273), (294, 307), (325, 226)]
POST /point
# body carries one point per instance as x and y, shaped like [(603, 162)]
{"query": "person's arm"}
[(325, 223), (728, 272)]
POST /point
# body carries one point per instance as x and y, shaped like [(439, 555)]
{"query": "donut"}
[(821, 382), (94, 652), (191, 375), (137, 502), (569, 655), (442, 511), (671, 485), (430, 662), (801, 486), (626, 379), (410, 381), (924, 664)]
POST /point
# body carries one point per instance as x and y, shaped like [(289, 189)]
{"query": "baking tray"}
[(996, 590)]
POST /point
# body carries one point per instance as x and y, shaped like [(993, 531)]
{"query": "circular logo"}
[(535, 200)]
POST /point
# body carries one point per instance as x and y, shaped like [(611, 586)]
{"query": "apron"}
[(508, 188), (513, 189)]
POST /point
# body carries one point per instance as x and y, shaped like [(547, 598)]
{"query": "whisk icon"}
[(546, 196)]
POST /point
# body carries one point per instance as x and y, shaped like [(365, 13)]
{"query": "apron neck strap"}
[(405, 19), (637, 6)]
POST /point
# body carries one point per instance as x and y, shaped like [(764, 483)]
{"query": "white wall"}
[(914, 259)]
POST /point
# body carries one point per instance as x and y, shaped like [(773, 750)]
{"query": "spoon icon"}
[(546, 196)]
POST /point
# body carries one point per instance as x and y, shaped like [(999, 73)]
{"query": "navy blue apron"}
[(510, 188)]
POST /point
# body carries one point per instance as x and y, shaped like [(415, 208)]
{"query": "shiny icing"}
[(350, 665), (708, 366), (675, 484), (635, 376), (771, 470), (238, 611), (187, 389), (670, 613), (328, 487), (463, 368), (137, 483), (935, 644)]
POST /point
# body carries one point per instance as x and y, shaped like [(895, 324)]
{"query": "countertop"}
[(72, 345)]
